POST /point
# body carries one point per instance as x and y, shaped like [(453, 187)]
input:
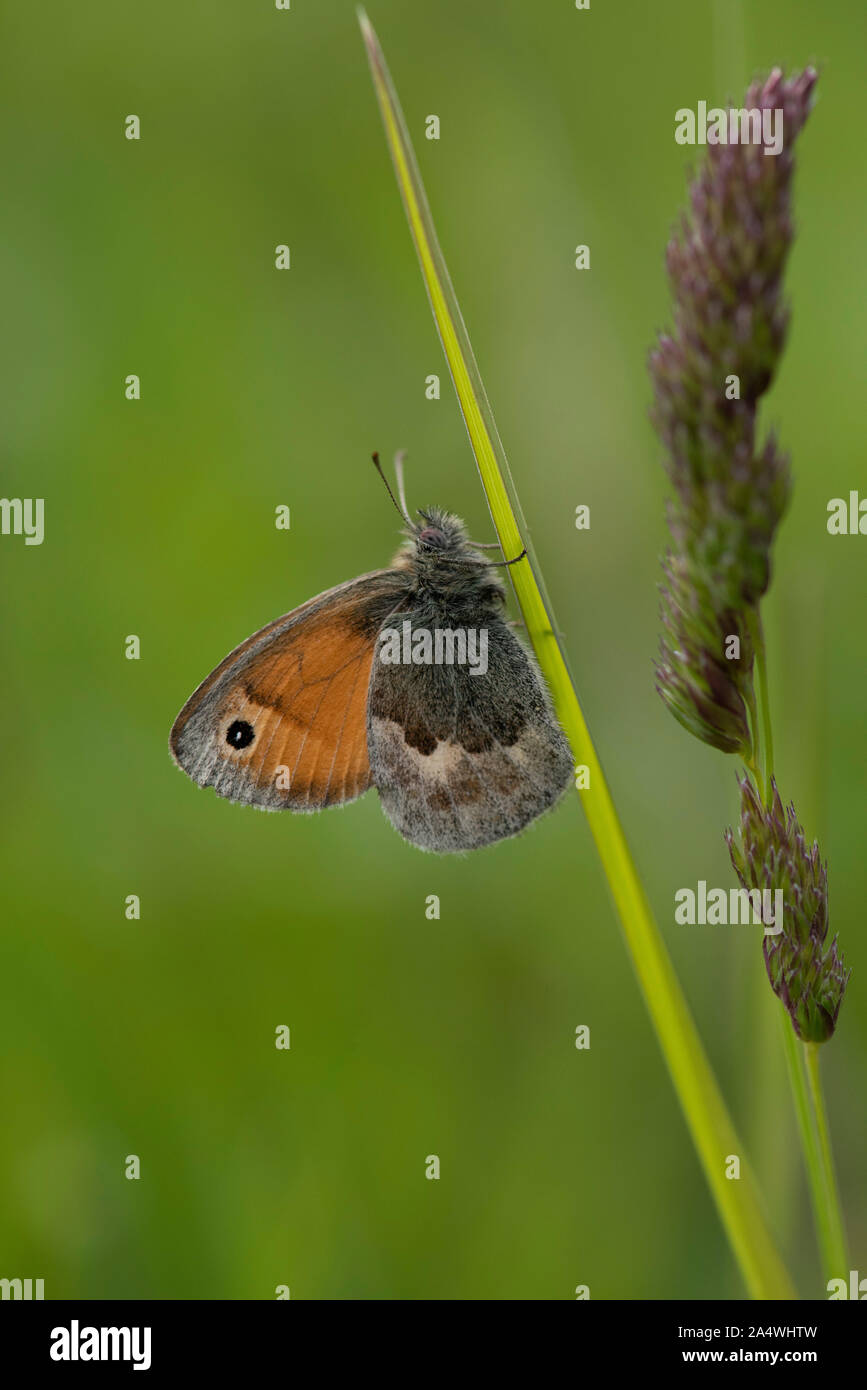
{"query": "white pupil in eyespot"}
[(240, 734)]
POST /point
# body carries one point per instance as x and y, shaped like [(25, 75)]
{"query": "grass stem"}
[(803, 1062), (738, 1202), (795, 1064), (828, 1209), (764, 698)]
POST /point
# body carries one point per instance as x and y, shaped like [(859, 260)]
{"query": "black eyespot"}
[(240, 734)]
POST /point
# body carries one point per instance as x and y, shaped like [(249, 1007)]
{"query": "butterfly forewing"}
[(281, 722)]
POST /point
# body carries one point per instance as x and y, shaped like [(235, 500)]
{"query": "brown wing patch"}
[(462, 760), (281, 722)]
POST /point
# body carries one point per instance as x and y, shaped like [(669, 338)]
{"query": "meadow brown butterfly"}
[(407, 679)]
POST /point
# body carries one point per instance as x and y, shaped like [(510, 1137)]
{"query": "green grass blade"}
[(712, 1131)]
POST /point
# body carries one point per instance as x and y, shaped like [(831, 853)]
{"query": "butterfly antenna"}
[(494, 564), (398, 473), (487, 564), (400, 510)]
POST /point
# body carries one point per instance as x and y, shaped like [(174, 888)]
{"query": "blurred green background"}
[(260, 387)]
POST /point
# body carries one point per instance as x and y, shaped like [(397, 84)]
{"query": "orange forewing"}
[(301, 686)]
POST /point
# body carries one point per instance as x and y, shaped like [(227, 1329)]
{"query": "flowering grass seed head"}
[(725, 264), (772, 853)]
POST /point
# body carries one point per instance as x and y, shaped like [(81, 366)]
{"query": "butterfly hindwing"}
[(281, 723), (460, 759)]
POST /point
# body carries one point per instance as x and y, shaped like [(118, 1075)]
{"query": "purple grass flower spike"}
[(809, 979), (725, 265)]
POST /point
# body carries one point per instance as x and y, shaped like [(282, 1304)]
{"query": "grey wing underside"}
[(463, 760)]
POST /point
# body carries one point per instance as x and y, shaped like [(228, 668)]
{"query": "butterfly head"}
[(440, 554), (439, 534), (445, 561)]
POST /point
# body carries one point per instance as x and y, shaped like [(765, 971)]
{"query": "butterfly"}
[(407, 679)]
